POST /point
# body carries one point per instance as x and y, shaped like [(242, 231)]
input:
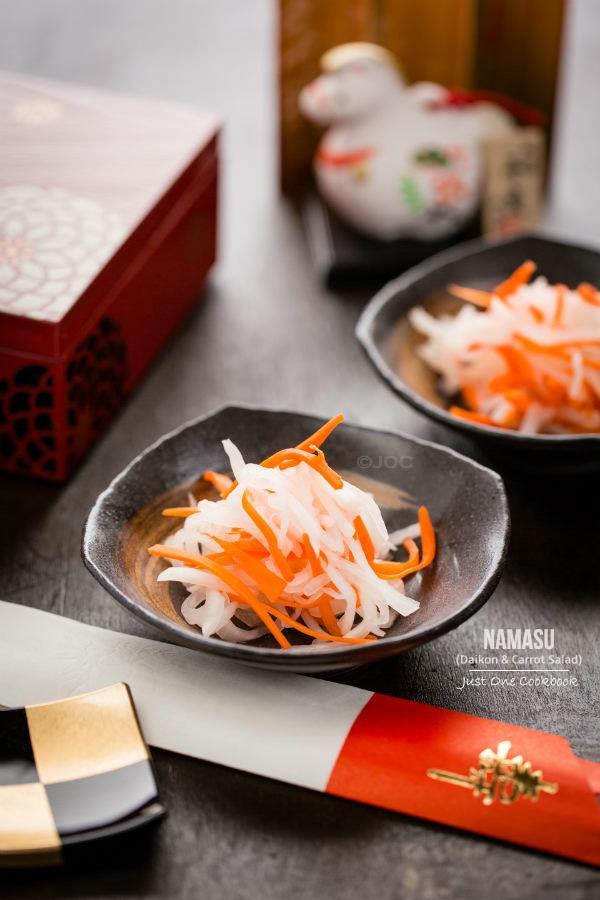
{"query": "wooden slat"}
[(307, 29), (519, 49), (434, 40)]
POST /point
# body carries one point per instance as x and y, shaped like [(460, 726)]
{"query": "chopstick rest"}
[(492, 778)]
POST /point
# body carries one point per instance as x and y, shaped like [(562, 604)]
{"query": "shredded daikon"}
[(291, 546), (528, 360)]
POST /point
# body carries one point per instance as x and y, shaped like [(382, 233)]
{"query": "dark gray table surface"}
[(266, 332)]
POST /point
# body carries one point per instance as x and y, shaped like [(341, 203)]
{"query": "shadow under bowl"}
[(467, 503), (391, 343)]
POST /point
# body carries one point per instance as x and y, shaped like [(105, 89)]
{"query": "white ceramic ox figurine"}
[(396, 160)]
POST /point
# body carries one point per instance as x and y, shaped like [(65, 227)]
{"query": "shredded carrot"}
[(556, 345), (364, 538), (519, 397), (471, 295), (501, 383), (589, 293), (316, 439), (471, 416), (219, 481), (560, 305), (428, 549), (304, 629), (520, 276), (315, 566), (517, 362), (321, 434), (329, 620), (555, 391), (537, 314), (269, 583), (592, 363), (180, 511), (427, 537), (270, 537), (295, 456), (251, 545), (228, 578), (389, 570)]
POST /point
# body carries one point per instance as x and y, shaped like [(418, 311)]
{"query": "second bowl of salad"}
[(500, 340)]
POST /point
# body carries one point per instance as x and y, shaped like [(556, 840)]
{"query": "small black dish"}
[(467, 503), (391, 343)]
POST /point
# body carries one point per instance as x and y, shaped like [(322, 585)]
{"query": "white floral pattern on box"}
[(52, 246)]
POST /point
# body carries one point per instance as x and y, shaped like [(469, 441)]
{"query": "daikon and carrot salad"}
[(292, 547), (523, 356)]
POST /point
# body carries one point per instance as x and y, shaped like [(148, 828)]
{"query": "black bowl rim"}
[(253, 654), (388, 294)]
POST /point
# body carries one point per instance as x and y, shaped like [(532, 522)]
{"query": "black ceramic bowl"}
[(391, 342), (467, 503)]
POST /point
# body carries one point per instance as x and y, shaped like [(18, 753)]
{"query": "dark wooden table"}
[(267, 332)]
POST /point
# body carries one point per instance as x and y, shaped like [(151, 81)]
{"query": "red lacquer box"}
[(108, 210)]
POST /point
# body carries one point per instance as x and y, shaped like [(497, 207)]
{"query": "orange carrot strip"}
[(503, 382), (555, 391), (427, 554), (250, 545), (389, 569), (470, 396), (219, 481), (471, 416), (471, 295), (537, 314), (316, 439), (519, 398), (299, 604), (297, 564), (589, 293), (510, 419), (518, 364), (269, 583), (321, 434), (516, 361), (519, 367), (266, 530), (228, 578), (294, 604), (592, 363), (364, 538), (412, 550), (315, 565), (427, 537), (315, 634), (329, 620), (520, 276), (296, 456), (218, 557), (180, 511), (556, 345), (534, 347), (560, 305)]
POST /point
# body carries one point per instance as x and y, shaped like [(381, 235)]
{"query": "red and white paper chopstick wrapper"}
[(500, 780)]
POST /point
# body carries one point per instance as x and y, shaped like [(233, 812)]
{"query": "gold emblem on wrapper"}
[(499, 777)]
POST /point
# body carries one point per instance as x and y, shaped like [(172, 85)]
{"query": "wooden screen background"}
[(509, 46)]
